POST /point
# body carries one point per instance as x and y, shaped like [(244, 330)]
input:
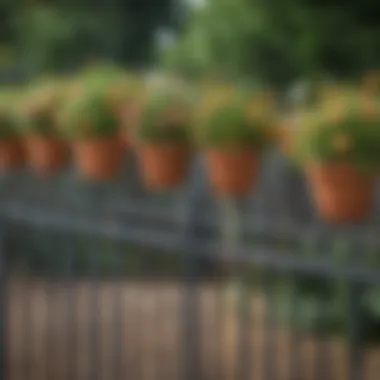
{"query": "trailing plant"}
[(342, 127), (166, 117), (124, 90), (89, 114), (9, 127), (39, 108), (238, 120)]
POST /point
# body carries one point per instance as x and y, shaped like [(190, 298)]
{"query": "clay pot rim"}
[(233, 149), (95, 138), (337, 164), (162, 143)]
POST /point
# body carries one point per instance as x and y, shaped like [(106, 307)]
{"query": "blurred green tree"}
[(278, 40), (56, 35)]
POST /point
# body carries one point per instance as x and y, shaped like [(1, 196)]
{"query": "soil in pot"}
[(164, 166), (47, 155), (99, 159), (342, 193), (12, 154), (232, 172)]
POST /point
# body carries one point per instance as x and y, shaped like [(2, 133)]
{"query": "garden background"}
[(272, 42)]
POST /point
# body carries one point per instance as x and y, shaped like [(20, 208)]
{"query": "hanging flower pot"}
[(341, 191), (92, 125), (164, 141), (339, 147), (122, 93), (47, 151), (99, 158), (164, 165), (234, 134), (233, 171), (12, 153), (46, 154)]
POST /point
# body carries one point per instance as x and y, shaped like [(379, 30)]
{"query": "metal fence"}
[(109, 282)]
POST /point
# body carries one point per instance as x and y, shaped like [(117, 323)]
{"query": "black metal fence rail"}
[(106, 281)]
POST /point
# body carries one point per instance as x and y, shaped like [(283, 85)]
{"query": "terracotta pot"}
[(47, 155), (164, 166), (99, 159), (341, 192), (232, 172), (12, 154)]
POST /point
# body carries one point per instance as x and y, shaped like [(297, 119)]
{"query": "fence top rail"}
[(191, 243)]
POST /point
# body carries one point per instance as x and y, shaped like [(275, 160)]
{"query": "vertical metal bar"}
[(244, 352), (268, 279), (95, 199), (355, 321), (3, 302), (51, 290), (269, 324), (94, 344), (229, 230), (72, 315), (321, 294), (220, 327), (27, 327), (289, 185), (154, 304), (356, 351), (191, 315), (191, 360), (232, 228), (294, 346), (118, 320), (138, 334)]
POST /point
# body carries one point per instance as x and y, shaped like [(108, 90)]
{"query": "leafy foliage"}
[(277, 41), (345, 127), (60, 35), (239, 120), (39, 108), (167, 116), (91, 114), (9, 127)]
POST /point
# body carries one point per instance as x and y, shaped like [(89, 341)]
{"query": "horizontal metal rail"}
[(170, 240)]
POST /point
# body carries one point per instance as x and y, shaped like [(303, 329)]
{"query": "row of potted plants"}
[(336, 139)]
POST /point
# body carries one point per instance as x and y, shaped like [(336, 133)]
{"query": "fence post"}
[(3, 300), (232, 217), (190, 318), (356, 352)]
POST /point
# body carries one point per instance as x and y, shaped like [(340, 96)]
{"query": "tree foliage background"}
[(58, 35), (271, 40), (278, 40)]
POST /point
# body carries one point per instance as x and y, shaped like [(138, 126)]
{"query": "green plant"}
[(8, 125), (166, 116), (236, 121), (8, 121), (39, 108), (89, 114), (346, 127)]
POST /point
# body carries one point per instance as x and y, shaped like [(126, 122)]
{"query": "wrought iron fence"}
[(106, 281)]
